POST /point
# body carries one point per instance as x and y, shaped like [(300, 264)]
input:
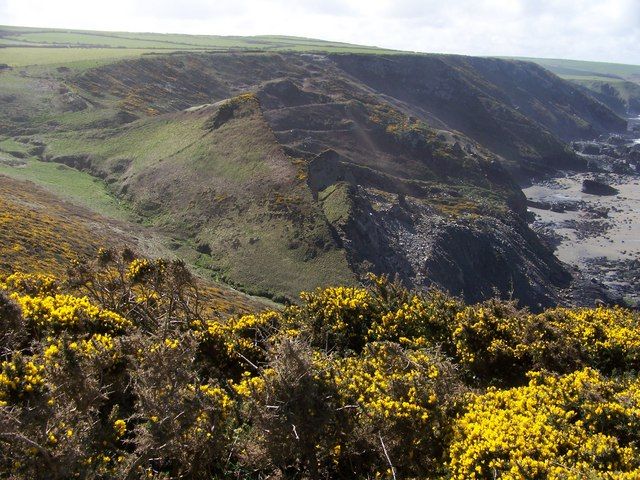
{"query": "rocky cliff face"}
[(300, 170), (475, 257), (517, 109)]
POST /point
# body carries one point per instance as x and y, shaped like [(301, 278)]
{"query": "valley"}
[(277, 171)]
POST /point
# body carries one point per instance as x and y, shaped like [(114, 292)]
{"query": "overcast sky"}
[(605, 30)]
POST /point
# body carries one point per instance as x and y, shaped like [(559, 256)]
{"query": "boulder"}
[(594, 187)]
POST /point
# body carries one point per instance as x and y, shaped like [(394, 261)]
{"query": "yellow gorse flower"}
[(62, 312), (120, 427), (552, 428)]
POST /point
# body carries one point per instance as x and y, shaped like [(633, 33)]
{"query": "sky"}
[(601, 30)]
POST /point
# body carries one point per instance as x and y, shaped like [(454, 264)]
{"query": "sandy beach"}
[(598, 234)]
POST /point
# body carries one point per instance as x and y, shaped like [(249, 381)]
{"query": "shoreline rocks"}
[(595, 187)]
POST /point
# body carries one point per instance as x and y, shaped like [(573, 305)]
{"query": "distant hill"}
[(581, 68), (616, 85), (21, 46)]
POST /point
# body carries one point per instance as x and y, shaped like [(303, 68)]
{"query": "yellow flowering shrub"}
[(136, 377), (490, 338), (249, 334), (186, 422), (405, 396), (494, 339), (290, 408), (31, 284), (138, 268), (99, 347), (335, 317), (248, 385), (20, 377), (67, 312), (581, 425), (237, 342), (349, 317), (120, 427), (146, 292), (389, 383), (221, 397), (418, 321), (607, 338), (40, 232)]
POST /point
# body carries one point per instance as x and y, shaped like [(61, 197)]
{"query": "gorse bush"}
[(581, 425), (121, 371), (495, 341)]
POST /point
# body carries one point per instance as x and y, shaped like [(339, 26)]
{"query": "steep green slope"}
[(67, 183), (216, 177), (40, 232), (621, 96), (296, 186), (589, 69), (518, 110)]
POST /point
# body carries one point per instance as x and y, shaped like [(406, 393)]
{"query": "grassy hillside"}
[(242, 192), (67, 183), (272, 201), (29, 214), (620, 95), (70, 57), (579, 68), (279, 171), (25, 46)]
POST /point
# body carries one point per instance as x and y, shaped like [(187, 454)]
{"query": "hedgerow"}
[(121, 370)]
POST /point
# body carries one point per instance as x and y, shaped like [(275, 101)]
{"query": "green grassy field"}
[(616, 85), (68, 183), (51, 46), (572, 69), (34, 46), (79, 57)]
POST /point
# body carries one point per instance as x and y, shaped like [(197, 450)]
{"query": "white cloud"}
[(582, 29)]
